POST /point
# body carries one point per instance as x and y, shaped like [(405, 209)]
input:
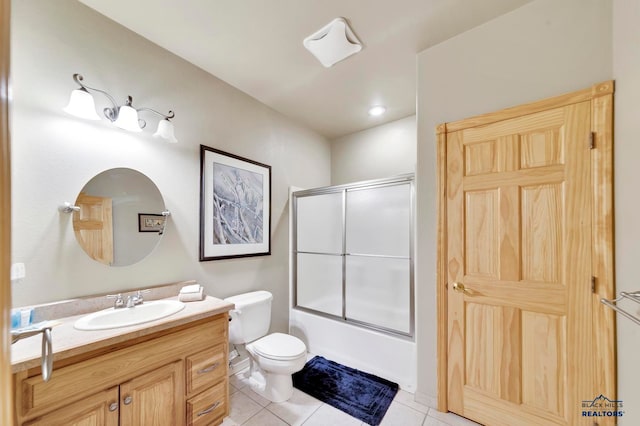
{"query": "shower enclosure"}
[(352, 265)]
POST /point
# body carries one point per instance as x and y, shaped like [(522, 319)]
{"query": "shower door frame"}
[(369, 184)]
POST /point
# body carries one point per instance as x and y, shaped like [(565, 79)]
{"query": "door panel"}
[(519, 250), (493, 333), (544, 340), (93, 226), (542, 148), (482, 239), (542, 216)]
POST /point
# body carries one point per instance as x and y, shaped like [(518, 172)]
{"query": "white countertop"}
[(69, 342)]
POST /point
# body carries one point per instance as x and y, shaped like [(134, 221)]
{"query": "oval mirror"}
[(120, 218)]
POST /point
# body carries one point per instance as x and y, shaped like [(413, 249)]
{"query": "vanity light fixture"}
[(82, 105)]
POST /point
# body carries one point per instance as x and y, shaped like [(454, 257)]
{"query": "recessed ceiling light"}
[(377, 110)]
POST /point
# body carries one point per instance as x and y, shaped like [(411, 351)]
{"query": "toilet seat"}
[(279, 347)]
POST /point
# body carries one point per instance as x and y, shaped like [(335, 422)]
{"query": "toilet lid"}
[(279, 346)]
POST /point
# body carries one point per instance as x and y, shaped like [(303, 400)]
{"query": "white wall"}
[(626, 71), (379, 152), (545, 48), (54, 155)]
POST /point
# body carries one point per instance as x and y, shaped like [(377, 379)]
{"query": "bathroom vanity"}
[(172, 371)]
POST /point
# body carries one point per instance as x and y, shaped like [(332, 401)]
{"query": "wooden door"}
[(93, 226), (527, 342), (155, 398), (100, 409), (6, 392)]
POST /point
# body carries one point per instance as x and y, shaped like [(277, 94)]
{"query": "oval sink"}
[(123, 317)]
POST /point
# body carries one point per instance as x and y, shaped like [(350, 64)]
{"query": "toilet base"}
[(276, 387)]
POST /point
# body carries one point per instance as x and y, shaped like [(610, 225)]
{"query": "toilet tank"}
[(251, 317)]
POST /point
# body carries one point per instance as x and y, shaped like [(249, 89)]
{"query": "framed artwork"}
[(148, 222), (235, 206)]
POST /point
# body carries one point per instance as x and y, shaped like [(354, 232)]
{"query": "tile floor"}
[(250, 409)]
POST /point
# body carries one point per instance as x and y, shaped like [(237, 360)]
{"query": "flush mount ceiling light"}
[(82, 105), (377, 110), (333, 43)]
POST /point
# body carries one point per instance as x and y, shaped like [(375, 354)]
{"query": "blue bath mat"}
[(362, 395)]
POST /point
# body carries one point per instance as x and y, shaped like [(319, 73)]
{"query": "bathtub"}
[(390, 357)]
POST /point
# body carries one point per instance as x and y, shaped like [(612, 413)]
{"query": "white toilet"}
[(274, 357)]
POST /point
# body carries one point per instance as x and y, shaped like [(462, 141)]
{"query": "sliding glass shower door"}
[(319, 252), (353, 253)]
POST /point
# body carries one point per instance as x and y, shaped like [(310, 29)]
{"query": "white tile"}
[(232, 389), (451, 419), (239, 380), (406, 398), (297, 409), (254, 396), (401, 415), (228, 422), (242, 408), (265, 418), (328, 415), (429, 421)]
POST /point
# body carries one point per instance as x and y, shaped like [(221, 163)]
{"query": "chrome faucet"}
[(119, 302), (132, 299), (136, 299)]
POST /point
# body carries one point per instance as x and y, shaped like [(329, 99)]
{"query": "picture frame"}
[(150, 222), (235, 206)]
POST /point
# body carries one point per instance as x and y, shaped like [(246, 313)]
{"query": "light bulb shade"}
[(128, 119), (82, 105), (165, 131)]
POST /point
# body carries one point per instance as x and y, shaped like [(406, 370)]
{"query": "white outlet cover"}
[(18, 271)]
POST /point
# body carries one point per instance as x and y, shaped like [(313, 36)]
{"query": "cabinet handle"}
[(208, 410), (113, 406), (209, 368), (127, 400)]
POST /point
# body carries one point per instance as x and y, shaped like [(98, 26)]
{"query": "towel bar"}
[(635, 296)]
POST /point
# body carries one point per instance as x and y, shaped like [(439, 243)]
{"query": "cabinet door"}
[(100, 409), (155, 398)]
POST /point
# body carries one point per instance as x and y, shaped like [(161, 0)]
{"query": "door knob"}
[(127, 400), (459, 287)]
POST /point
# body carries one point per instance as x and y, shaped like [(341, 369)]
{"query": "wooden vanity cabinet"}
[(174, 377), (98, 409)]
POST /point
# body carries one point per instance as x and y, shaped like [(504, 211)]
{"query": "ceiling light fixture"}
[(377, 110), (82, 105), (333, 43)]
